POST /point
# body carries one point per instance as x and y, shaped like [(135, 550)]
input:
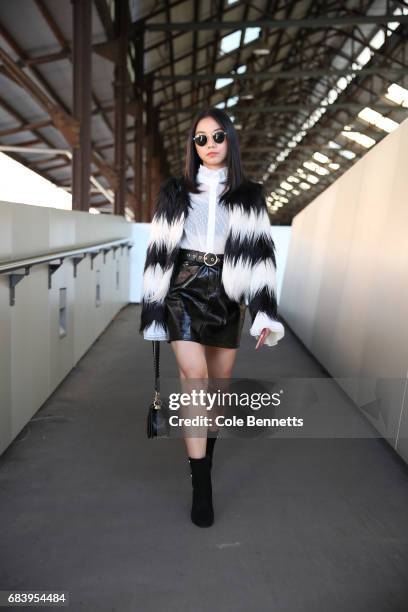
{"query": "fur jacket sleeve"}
[(249, 268)]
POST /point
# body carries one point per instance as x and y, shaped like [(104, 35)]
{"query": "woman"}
[(209, 253)]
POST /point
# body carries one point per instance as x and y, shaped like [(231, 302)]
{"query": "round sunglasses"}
[(218, 137)]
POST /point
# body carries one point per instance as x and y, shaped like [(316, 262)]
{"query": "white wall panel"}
[(34, 359), (345, 293)]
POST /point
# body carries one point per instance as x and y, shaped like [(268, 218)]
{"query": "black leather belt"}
[(209, 259)]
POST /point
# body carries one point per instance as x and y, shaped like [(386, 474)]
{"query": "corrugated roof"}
[(279, 128)]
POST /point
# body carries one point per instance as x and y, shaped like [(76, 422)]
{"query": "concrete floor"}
[(89, 505)]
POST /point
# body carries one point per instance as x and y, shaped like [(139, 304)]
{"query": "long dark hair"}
[(236, 174)]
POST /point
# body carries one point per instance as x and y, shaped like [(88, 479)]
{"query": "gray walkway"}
[(89, 505)]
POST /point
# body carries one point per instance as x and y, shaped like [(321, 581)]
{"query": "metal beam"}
[(291, 74), (61, 119), (277, 24), (57, 118), (294, 108), (26, 127)]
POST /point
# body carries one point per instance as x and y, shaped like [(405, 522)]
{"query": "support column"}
[(120, 86), (82, 82), (149, 149), (139, 128), (138, 160), (156, 165), (145, 194)]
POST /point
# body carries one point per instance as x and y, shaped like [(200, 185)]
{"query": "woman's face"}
[(212, 155)]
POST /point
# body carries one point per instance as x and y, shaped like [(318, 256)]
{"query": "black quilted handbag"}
[(158, 414)]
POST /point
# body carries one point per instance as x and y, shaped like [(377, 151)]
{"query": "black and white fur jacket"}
[(249, 268)]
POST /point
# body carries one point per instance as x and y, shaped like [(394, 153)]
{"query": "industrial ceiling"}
[(310, 86)]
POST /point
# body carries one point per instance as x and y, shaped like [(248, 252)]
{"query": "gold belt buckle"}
[(213, 259)]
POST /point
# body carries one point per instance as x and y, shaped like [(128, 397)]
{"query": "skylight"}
[(362, 139), (375, 118), (323, 159), (347, 154), (230, 42), (365, 55), (334, 145), (397, 94), (286, 185), (310, 165), (231, 101), (219, 83), (251, 34)]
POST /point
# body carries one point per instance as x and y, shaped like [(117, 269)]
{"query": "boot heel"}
[(202, 511)]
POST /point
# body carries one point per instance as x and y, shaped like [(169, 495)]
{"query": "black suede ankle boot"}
[(202, 512), (210, 447)]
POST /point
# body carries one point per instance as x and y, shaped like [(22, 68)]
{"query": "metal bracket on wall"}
[(104, 254), (14, 279), (76, 260), (53, 267), (93, 255), (115, 248), (128, 246)]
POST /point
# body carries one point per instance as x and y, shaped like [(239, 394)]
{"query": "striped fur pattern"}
[(249, 268)]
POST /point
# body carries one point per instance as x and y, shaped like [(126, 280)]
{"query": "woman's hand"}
[(263, 335)]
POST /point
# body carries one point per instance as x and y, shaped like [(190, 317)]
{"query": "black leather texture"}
[(197, 307)]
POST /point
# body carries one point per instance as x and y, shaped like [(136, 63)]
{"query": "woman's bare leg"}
[(220, 363), (191, 361), (199, 361)]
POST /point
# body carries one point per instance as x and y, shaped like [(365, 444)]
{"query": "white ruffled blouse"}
[(206, 229)]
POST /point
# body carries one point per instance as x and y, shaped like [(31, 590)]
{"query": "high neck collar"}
[(211, 176)]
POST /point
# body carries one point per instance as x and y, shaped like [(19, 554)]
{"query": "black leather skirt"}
[(197, 307)]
